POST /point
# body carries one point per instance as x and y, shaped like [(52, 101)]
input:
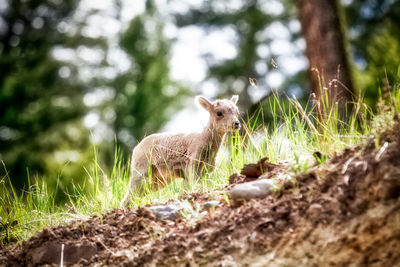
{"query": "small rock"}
[(167, 212), (254, 189), (314, 212), (210, 204), (125, 253), (131, 213)]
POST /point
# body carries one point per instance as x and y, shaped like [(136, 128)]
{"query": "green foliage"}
[(22, 215), (39, 110), (375, 38)]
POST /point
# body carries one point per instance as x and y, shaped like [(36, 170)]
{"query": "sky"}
[(186, 64)]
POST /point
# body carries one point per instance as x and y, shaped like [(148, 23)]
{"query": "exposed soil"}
[(345, 212)]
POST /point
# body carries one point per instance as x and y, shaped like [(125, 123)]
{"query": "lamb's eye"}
[(219, 114)]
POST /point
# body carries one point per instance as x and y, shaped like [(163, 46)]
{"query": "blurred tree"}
[(326, 49), (375, 39), (373, 32), (40, 100), (145, 96), (255, 58)]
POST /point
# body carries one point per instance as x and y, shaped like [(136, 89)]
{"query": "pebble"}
[(211, 204), (167, 212)]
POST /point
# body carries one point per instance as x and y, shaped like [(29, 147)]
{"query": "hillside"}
[(344, 212)]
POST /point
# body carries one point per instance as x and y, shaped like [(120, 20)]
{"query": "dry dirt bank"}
[(345, 212)]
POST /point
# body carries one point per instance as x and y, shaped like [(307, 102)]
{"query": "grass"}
[(293, 136)]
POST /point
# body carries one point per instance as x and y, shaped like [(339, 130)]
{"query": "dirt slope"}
[(345, 212)]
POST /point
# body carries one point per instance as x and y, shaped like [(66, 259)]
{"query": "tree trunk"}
[(329, 69)]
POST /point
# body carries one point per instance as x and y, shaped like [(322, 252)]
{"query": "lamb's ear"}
[(235, 99), (204, 102)]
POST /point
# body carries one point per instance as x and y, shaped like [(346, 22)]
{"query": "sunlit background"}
[(80, 76), (194, 49)]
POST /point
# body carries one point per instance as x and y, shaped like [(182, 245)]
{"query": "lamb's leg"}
[(136, 182), (193, 173)]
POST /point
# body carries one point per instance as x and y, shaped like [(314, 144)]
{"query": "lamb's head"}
[(223, 113)]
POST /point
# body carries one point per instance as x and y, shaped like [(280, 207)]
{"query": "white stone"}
[(255, 189)]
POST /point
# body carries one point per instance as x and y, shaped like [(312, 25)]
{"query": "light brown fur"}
[(170, 156)]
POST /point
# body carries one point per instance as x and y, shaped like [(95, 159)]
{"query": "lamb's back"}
[(165, 148)]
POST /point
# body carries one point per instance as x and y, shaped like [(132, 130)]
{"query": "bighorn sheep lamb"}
[(167, 156)]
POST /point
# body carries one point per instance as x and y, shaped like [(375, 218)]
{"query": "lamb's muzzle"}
[(167, 156), (237, 125)]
